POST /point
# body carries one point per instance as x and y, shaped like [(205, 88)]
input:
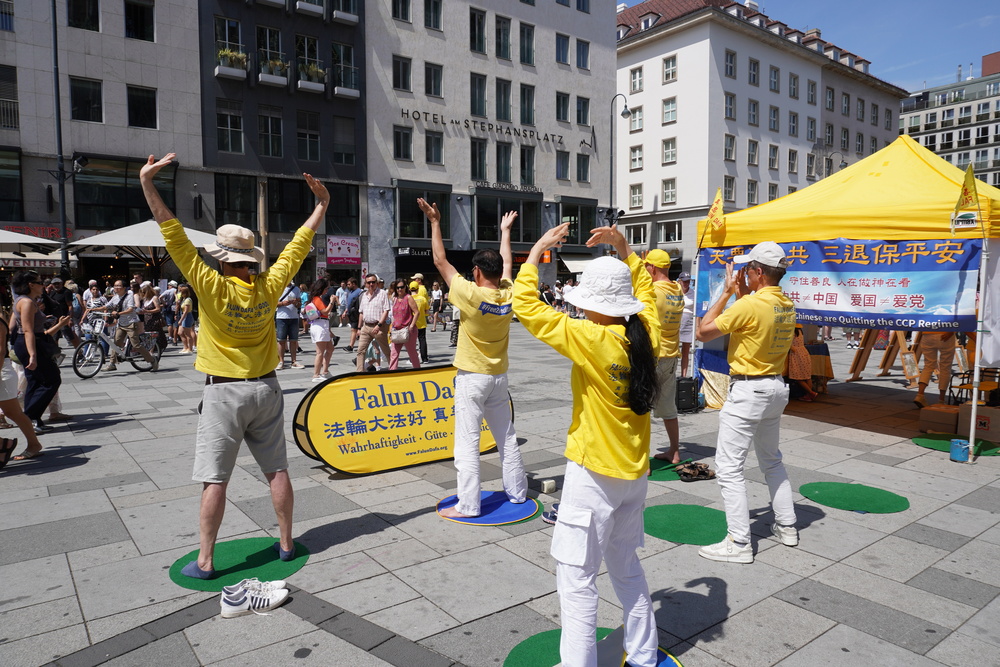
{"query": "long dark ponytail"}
[(643, 386)]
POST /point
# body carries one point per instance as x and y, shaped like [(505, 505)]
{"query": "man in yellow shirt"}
[(237, 350), (421, 319), (418, 278), (762, 324), (481, 359), (669, 306)]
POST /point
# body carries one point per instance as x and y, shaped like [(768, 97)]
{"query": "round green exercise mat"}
[(854, 497), (542, 650), (237, 560), (942, 443), (685, 524)]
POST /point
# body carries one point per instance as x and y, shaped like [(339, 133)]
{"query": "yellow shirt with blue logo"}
[(669, 308), (762, 325), (485, 329)]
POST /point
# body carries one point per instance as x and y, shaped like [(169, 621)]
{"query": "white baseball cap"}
[(767, 253)]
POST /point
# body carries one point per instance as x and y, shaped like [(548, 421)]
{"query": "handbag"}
[(311, 312), (400, 336)]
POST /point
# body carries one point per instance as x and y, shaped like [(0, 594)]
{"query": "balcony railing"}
[(312, 76), (345, 76), (272, 68), (8, 115)]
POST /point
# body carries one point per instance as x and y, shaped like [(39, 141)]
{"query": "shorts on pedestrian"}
[(169, 317), (319, 331), (234, 412), (287, 328), (187, 322), (8, 381), (666, 377)]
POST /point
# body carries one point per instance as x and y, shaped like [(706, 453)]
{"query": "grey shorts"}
[(666, 375), (231, 413)]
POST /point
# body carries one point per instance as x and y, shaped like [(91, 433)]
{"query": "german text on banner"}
[(363, 423), (906, 285)]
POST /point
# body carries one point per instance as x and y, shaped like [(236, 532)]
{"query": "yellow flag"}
[(716, 218), (969, 195)]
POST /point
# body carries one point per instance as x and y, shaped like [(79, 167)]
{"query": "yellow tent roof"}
[(902, 192)]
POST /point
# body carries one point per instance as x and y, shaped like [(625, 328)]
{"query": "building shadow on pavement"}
[(54, 458), (337, 532)]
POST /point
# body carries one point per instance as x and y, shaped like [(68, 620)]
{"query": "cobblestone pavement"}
[(88, 531)]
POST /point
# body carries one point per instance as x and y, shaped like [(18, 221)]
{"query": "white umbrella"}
[(143, 241), (12, 240)]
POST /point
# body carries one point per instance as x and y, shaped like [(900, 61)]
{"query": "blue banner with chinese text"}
[(906, 285)]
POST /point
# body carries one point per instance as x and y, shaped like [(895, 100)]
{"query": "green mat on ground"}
[(685, 524), (854, 497), (237, 560), (541, 650), (661, 471), (942, 443)]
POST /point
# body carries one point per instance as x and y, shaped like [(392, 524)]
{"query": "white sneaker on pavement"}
[(727, 551), (787, 535), (249, 602), (254, 585)]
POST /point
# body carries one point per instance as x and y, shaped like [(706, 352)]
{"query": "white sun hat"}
[(606, 288), (234, 244)]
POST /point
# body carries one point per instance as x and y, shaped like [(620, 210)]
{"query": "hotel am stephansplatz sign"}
[(927, 285), (362, 423)]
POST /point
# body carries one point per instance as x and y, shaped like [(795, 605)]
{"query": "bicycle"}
[(88, 359)]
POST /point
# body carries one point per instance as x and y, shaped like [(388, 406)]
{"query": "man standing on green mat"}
[(762, 324), (669, 308), (237, 350)]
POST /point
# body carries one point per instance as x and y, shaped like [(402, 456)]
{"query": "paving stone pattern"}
[(89, 531)]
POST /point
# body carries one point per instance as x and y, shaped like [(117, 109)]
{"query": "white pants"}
[(600, 518), (752, 414), (478, 396)]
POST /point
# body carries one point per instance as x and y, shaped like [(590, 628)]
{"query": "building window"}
[(729, 188), (562, 107), (229, 125), (845, 104), (772, 191), (139, 23), (402, 142), (9, 117), (434, 147), (269, 44), (874, 119), (343, 140), (730, 104), (670, 231), (85, 100), (793, 124), (753, 72), (772, 156), (793, 86), (527, 42), (635, 80), (582, 168), (477, 30), (810, 165), (859, 143), (828, 135), (307, 135), (490, 211), (141, 107), (343, 72), (413, 223), (502, 37), (829, 99), (562, 49), (793, 161), (635, 158), (670, 110), (669, 190), (752, 148), (477, 94), (582, 54), (477, 160), (235, 200), (504, 155), (401, 73), (751, 193), (583, 6), (752, 111), (635, 195), (774, 80), (528, 104), (730, 66), (269, 131), (85, 14), (845, 139), (562, 165), (669, 151), (504, 103), (669, 69), (636, 234), (582, 110), (527, 165), (433, 79), (107, 194), (432, 14), (11, 199), (810, 129), (635, 120), (888, 119), (401, 10), (7, 18), (811, 92), (289, 201), (860, 105), (729, 148), (772, 119), (792, 189), (873, 145)]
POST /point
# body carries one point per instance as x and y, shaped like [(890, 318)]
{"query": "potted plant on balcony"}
[(225, 57), (278, 67), (238, 60), (315, 73)]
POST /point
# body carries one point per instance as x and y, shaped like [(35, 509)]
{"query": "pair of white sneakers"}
[(252, 596), (728, 551)]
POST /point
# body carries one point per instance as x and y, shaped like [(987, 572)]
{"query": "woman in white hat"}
[(614, 387)]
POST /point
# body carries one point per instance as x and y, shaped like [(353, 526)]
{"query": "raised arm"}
[(160, 211), (505, 252), (614, 237), (441, 262), (316, 218)]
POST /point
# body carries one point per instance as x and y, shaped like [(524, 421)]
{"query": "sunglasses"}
[(370, 282), (36, 282)]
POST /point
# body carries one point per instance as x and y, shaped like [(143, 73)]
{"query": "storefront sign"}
[(506, 186), (413, 252), (495, 130), (372, 422), (7, 262), (905, 285), (41, 232), (343, 250)]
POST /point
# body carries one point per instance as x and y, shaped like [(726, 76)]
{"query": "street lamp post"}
[(843, 162), (612, 216)]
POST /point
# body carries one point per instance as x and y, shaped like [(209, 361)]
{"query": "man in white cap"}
[(168, 305), (762, 324), (669, 304), (419, 279), (237, 350), (687, 320)]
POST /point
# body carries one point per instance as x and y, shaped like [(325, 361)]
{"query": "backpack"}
[(354, 311)]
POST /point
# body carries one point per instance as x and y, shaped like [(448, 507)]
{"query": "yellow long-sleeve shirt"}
[(237, 336), (605, 436)]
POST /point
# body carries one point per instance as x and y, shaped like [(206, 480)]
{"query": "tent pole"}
[(980, 336)]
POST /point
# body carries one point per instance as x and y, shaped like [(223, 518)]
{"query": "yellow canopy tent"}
[(902, 192)]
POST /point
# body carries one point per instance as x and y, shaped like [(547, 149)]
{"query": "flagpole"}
[(709, 221), (980, 334)]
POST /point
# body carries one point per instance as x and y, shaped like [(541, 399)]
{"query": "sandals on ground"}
[(693, 472)]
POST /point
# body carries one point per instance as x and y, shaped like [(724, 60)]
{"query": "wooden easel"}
[(897, 345)]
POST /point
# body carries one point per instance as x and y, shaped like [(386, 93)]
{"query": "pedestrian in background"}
[(286, 324), (319, 329), (189, 338), (421, 321), (403, 331), (437, 307), (9, 405)]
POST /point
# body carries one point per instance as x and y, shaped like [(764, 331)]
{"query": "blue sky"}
[(914, 44)]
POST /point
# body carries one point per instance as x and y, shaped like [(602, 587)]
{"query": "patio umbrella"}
[(12, 241), (144, 242)]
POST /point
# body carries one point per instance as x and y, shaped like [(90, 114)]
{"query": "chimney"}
[(751, 5), (959, 78), (621, 7), (814, 32)]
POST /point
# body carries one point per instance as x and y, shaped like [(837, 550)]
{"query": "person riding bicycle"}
[(124, 308)]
